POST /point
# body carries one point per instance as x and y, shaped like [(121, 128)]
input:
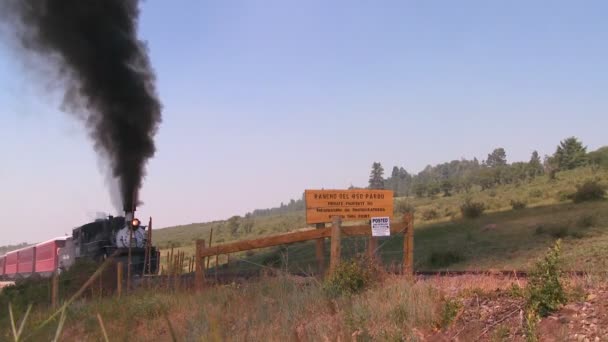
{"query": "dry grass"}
[(271, 309)]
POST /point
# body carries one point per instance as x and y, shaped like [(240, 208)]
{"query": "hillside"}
[(503, 238)]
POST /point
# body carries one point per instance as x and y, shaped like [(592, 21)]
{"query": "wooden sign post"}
[(320, 251), (335, 243), (408, 245), (336, 206)]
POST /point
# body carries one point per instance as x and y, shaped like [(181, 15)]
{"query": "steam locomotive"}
[(96, 241)]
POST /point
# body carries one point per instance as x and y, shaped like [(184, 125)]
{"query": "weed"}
[(350, 277), (530, 325), (451, 308), (516, 291), (545, 293), (577, 293), (501, 333)]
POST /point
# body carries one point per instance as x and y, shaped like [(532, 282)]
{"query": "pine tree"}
[(376, 177), (498, 157), (535, 166), (570, 154)]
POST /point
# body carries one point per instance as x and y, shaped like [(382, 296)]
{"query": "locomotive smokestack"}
[(129, 216), (105, 71)]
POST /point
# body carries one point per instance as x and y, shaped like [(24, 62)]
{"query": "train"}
[(115, 237)]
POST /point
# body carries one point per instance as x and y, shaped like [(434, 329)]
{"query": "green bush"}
[(558, 231), (351, 277), (404, 207), (589, 191), (545, 293), (536, 193), (563, 196), (445, 258), (472, 209), (586, 221), (518, 204)]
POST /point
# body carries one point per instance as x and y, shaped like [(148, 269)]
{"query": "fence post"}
[(210, 239), (54, 289), (335, 243), (372, 245), (119, 278), (320, 251), (408, 245), (198, 264)]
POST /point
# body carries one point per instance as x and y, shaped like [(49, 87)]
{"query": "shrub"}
[(445, 258), (404, 207), (588, 191), (558, 231), (586, 221), (563, 196), (518, 204), (430, 214), (351, 277), (472, 209), (536, 193), (545, 293)]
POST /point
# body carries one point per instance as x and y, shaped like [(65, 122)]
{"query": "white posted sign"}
[(381, 226)]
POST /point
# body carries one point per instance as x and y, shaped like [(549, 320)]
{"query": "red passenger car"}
[(26, 258), (46, 255), (10, 263)]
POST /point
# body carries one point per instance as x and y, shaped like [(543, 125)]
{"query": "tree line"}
[(461, 175), (454, 176)]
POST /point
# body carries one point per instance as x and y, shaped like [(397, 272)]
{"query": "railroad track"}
[(225, 277)]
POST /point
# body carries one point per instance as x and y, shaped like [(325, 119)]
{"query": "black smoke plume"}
[(106, 73)]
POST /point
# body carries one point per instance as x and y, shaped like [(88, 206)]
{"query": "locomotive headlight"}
[(135, 223)]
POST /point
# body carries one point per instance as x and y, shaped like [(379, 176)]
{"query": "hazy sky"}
[(265, 99)]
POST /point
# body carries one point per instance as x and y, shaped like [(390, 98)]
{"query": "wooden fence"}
[(335, 231)]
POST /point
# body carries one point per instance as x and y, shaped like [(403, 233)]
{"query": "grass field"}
[(502, 239)]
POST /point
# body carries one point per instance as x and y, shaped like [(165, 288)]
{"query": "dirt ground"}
[(492, 311)]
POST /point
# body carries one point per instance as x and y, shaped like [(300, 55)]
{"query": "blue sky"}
[(265, 99)]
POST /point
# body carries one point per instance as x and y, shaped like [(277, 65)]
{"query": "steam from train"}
[(105, 71)]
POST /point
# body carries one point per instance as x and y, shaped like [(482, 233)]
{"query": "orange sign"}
[(351, 205)]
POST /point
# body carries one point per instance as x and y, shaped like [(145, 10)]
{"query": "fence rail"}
[(334, 233)]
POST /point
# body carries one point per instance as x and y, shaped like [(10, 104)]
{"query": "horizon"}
[(261, 103)]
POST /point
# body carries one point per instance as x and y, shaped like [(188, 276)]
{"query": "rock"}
[(591, 297)]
